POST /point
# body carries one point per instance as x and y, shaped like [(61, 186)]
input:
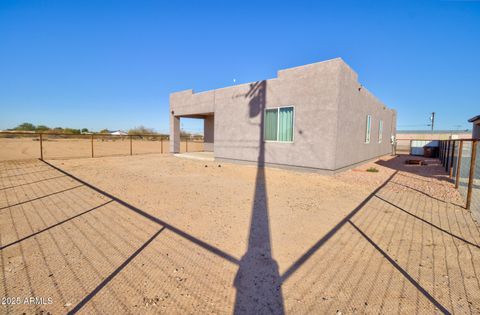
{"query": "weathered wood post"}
[(161, 145), (92, 144), (471, 175), (41, 146), (459, 164), (130, 136), (186, 144)]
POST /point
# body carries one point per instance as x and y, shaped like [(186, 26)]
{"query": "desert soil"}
[(160, 234)]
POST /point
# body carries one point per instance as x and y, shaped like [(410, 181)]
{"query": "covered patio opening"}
[(176, 130)]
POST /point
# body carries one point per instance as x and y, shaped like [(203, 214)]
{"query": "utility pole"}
[(432, 118)]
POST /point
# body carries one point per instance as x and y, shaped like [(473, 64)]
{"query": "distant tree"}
[(57, 130), (42, 128), (84, 130), (25, 127), (71, 131), (104, 131), (184, 133), (141, 130)]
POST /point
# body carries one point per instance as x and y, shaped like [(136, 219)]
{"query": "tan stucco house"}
[(316, 116)]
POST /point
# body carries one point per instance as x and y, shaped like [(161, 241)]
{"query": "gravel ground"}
[(159, 234)]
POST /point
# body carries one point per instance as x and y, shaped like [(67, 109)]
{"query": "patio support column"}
[(208, 133), (174, 133)]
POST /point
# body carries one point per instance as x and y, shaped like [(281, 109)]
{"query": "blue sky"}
[(112, 64)]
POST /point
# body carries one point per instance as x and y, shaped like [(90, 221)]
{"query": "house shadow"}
[(258, 282)]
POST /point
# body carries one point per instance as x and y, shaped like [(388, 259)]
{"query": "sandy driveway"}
[(162, 234)]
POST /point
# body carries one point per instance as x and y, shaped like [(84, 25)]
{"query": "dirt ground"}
[(160, 234), (55, 148)]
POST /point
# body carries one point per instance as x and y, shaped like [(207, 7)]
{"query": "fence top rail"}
[(442, 140), (469, 139), (419, 139), (463, 139)]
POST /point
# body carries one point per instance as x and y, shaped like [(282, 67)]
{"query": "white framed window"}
[(278, 124), (380, 131), (368, 129)]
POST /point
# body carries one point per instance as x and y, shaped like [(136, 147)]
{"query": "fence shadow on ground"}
[(397, 251), (391, 254), (99, 242)]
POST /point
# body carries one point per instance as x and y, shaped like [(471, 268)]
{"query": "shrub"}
[(141, 130), (372, 170), (42, 128)]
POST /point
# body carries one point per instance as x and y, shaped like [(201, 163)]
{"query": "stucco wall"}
[(476, 130), (353, 107), (186, 103), (329, 122), (174, 134), (403, 139), (433, 136), (311, 89)]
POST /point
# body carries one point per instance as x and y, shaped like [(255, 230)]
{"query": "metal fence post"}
[(92, 144), (440, 150), (130, 144), (471, 175), (459, 164), (444, 150), (161, 145), (186, 144), (447, 156), (451, 159), (443, 154), (41, 146)]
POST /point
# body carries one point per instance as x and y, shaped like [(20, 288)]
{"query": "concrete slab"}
[(203, 156)]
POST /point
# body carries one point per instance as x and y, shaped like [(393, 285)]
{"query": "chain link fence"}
[(461, 159)]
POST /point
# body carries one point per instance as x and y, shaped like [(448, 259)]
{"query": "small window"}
[(380, 131), (271, 124), (278, 124), (369, 127)]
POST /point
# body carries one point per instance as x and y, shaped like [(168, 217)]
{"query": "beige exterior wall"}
[(326, 99), (476, 130), (354, 104)]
